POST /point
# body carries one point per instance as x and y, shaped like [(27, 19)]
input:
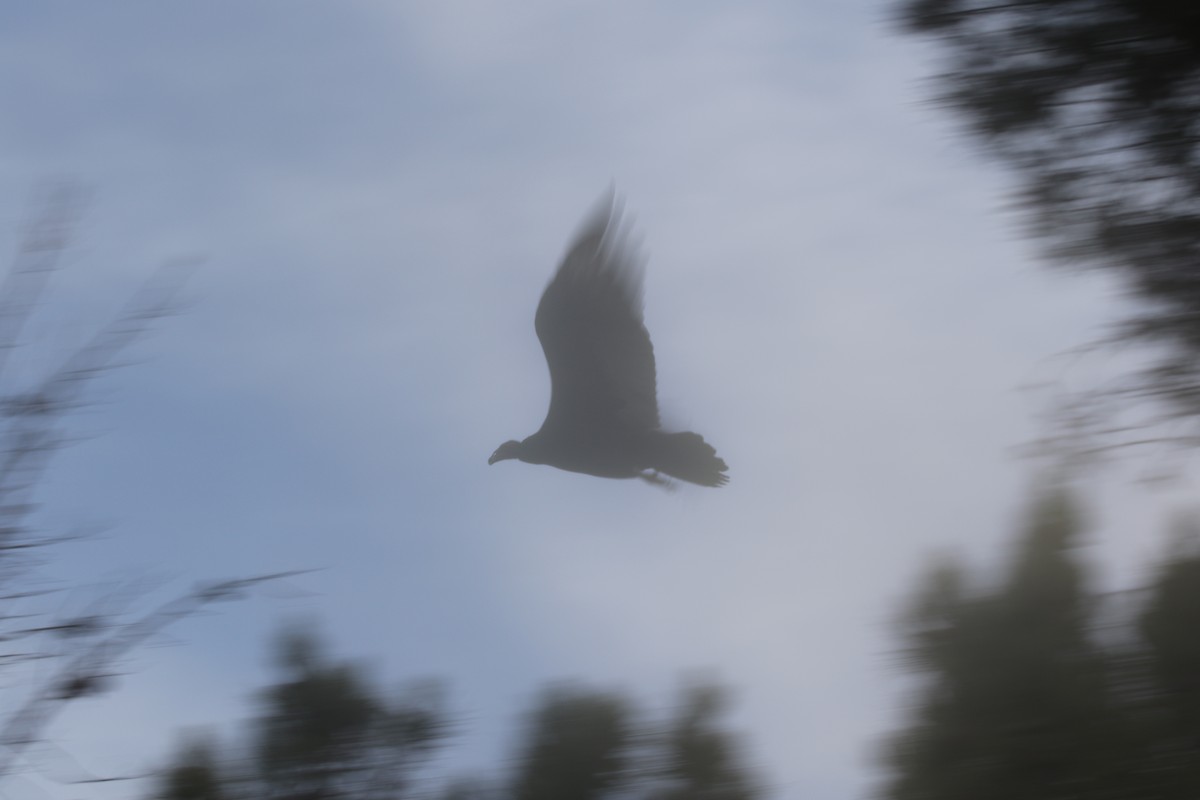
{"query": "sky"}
[(377, 193)]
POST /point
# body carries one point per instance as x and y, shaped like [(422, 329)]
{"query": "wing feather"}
[(597, 348)]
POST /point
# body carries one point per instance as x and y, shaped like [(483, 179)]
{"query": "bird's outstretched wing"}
[(590, 325)]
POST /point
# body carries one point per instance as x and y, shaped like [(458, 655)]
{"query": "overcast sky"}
[(380, 191)]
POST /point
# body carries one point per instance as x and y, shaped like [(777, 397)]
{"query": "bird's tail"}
[(688, 457)]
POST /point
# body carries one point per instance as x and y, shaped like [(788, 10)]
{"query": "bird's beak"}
[(504, 452)]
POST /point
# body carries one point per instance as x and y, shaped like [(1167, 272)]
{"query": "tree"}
[(588, 745), (1169, 691), (702, 759), (1095, 105), (77, 655), (324, 731), (578, 744), (1045, 687), (1015, 699), (195, 774)]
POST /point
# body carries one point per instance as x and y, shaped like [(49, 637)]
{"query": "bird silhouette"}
[(603, 415)]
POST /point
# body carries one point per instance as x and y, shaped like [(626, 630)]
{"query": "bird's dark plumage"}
[(603, 416)]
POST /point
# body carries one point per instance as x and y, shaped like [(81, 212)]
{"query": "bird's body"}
[(603, 415)]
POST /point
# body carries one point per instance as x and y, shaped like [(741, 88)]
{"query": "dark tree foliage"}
[(591, 745), (578, 744), (323, 732), (194, 775), (1095, 104), (326, 732), (1171, 654), (701, 758), (1015, 700), (1043, 687)]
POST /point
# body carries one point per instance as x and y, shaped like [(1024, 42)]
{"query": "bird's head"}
[(510, 449)]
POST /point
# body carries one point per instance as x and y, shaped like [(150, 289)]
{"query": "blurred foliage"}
[(699, 757), (578, 744), (589, 745), (52, 655), (1042, 687), (194, 775), (323, 731), (1169, 662), (1095, 105)]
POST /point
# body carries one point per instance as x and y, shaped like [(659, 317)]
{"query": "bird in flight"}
[(603, 416)]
